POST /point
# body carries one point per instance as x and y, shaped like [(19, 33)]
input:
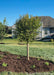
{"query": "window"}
[(51, 30), (46, 32)]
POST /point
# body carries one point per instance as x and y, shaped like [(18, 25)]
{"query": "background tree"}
[(2, 29), (26, 28), (9, 31)]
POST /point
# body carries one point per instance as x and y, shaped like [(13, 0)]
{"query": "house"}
[(46, 29), (13, 29)]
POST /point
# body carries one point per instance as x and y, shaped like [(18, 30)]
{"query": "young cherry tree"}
[(26, 28)]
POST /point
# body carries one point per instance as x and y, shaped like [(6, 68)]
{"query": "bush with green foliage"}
[(4, 64), (38, 59), (52, 40), (18, 57), (47, 63), (32, 66)]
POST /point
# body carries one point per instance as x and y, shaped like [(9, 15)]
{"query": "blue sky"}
[(11, 9)]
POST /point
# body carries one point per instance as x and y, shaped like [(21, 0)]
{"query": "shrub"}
[(33, 66), (4, 64), (47, 63), (18, 57), (1, 56), (38, 58), (52, 40)]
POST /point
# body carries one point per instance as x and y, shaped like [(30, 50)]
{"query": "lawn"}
[(43, 50)]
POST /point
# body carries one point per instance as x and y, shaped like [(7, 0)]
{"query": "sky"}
[(11, 9)]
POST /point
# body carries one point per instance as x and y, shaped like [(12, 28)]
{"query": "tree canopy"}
[(2, 29), (26, 27)]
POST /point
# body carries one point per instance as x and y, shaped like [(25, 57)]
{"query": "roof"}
[(47, 21)]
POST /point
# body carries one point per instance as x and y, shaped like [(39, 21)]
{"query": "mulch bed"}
[(17, 63)]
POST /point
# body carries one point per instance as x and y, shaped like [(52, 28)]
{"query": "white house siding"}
[(39, 33), (45, 32), (13, 29)]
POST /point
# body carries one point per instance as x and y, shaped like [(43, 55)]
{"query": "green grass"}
[(13, 73), (10, 41), (43, 50)]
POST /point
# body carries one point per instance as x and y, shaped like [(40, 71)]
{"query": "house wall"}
[(52, 30), (13, 29), (45, 32), (39, 36)]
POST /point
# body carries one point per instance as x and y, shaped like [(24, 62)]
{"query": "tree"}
[(2, 29), (9, 31), (26, 28)]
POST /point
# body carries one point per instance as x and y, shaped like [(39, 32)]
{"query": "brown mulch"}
[(21, 64)]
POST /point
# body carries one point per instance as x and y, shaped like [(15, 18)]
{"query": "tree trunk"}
[(27, 50)]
